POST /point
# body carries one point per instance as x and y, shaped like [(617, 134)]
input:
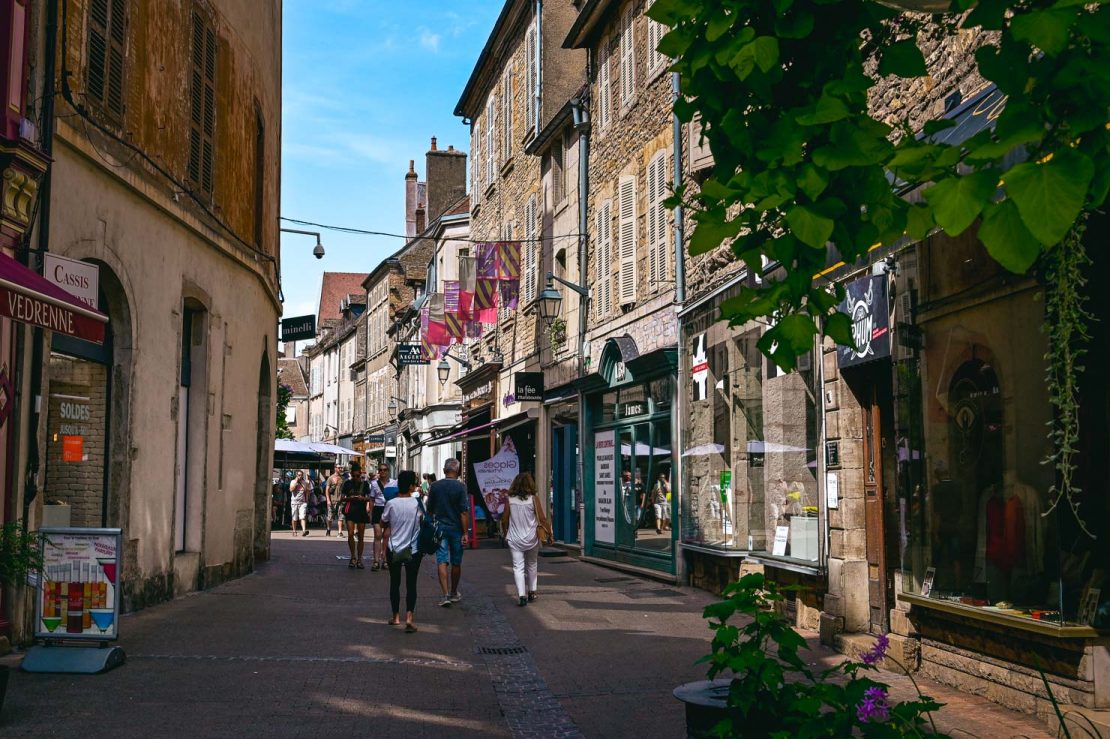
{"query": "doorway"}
[(564, 455), (878, 487)]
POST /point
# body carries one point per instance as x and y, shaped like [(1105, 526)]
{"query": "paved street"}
[(302, 648)]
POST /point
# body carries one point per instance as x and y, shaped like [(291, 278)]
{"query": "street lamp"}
[(443, 370), (551, 300), (393, 401), (318, 250)]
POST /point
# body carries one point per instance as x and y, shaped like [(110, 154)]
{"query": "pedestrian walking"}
[(331, 495), (377, 509), (298, 502), (401, 520), (661, 498), (528, 527), (355, 500), (447, 503)]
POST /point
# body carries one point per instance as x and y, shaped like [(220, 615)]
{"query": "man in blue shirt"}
[(448, 503)]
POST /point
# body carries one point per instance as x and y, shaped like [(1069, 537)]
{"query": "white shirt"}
[(377, 494), (402, 515), (522, 524)]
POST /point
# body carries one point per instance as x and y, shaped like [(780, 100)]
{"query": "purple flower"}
[(876, 653), (873, 707)]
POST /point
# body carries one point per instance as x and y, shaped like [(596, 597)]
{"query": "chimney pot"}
[(450, 147), (433, 143), (412, 166)]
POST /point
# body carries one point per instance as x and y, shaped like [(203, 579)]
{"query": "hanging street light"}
[(443, 369), (550, 300)]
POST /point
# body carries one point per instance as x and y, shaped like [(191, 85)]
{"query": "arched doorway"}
[(264, 446)]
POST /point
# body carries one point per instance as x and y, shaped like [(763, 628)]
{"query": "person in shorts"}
[(354, 498), (331, 494), (661, 500), (448, 504), (298, 502), (377, 503)]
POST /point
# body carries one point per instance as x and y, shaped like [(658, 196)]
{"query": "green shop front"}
[(629, 462)]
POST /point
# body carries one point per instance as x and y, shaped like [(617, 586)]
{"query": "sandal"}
[(351, 565), (532, 596), (394, 622), (410, 628), (376, 566), (359, 565)]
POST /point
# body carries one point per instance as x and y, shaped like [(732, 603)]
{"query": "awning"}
[(464, 435), (28, 297), (288, 445), (517, 419), (322, 448)]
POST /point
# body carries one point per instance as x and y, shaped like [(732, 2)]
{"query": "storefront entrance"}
[(565, 508)]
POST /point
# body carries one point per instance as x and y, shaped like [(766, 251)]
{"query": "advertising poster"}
[(76, 595), (495, 476), (605, 491), (726, 505)]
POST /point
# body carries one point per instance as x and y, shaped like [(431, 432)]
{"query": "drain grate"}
[(502, 650), (614, 579)]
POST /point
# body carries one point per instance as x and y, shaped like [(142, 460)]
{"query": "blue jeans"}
[(450, 547)]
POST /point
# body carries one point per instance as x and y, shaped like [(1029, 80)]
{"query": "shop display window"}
[(749, 446)]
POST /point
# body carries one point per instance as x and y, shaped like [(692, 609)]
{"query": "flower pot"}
[(706, 705)]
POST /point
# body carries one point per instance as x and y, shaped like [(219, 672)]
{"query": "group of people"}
[(396, 508)]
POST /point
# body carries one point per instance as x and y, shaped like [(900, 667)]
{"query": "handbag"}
[(429, 536), (543, 531)]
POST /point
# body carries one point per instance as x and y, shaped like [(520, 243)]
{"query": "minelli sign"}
[(298, 328)]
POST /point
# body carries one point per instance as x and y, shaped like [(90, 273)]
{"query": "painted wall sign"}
[(409, 355), (866, 304), (528, 386), (79, 279), (298, 328), (605, 498)]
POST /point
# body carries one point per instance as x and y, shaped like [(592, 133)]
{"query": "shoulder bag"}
[(543, 529), (427, 540)]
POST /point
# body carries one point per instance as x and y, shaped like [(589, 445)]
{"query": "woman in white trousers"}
[(527, 526)]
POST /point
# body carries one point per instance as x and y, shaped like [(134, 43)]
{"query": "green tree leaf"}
[(838, 327), (766, 51), (810, 227), (712, 231), (1050, 194), (1007, 239), (903, 59), (1045, 29), (828, 109), (919, 221), (957, 201), (812, 180)]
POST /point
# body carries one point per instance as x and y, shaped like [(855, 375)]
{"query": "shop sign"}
[(633, 408), (700, 367), (605, 497), (528, 386), (409, 355), (866, 305), (79, 279), (375, 438), (73, 448), (76, 596), (479, 395), (298, 328)]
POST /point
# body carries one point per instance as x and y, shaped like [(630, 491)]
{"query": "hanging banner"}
[(495, 476), (467, 284), (486, 265), (510, 294), (865, 302), (451, 309), (437, 321), (605, 498), (485, 296), (508, 260), (76, 595), (427, 349)]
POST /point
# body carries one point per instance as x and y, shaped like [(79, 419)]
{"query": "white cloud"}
[(429, 40)]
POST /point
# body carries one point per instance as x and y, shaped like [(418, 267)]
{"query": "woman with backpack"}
[(528, 527), (354, 497), (401, 520)]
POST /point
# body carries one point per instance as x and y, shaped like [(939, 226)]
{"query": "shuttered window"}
[(656, 31), (627, 57), (626, 240), (531, 77), (604, 86), (531, 252), (657, 227), (104, 65), (490, 115), (202, 129), (603, 255), (507, 116)]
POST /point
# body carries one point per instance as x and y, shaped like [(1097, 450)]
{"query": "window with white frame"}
[(603, 254), (656, 32), (657, 226), (604, 85), (531, 79), (491, 107), (626, 239), (507, 116), (627, 51), (531, 252)]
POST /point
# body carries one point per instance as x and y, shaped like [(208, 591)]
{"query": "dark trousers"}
[(412, 568)]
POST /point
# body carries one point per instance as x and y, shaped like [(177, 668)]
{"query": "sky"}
[(366, 84)]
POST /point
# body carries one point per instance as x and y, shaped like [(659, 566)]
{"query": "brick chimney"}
[(411, 201), (446, 173)]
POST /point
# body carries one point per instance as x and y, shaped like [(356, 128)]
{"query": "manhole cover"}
[(661, 593), (614, 579), (502, 650)]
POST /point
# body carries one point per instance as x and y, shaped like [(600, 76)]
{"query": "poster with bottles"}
[(76, 596)]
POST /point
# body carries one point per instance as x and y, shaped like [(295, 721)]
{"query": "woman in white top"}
[(526, 522), (401, 519)]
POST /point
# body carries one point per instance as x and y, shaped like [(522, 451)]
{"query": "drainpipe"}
[(679, 247), (677, 427), (581, 113)]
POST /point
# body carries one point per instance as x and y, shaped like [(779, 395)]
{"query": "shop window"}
[(749, 445), (77, 438)]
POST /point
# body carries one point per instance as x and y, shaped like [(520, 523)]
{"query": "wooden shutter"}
[(507, 116), (202, 129), (531, 77), (657, 220), (531, 252), (604, 94), (104, 61), (604, 255), (628, 57), (656, 31), (626, 239), (490, 109)]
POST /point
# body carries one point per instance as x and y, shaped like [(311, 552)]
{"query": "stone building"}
[(341, 302), (291, 372), (162, 125), (632, 332)]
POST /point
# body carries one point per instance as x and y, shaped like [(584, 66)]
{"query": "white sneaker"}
[(456, 597), (446, 602)]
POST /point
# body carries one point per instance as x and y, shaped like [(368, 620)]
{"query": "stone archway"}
[(264, 450)]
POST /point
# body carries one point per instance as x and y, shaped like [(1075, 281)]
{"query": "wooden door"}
[(874, 517)]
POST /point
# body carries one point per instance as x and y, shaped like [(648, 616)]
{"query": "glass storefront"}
[(750, 443)]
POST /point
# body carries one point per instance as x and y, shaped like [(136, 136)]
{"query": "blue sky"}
[(366, 84)]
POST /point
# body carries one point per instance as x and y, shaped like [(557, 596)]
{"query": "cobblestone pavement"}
[(302, 648)]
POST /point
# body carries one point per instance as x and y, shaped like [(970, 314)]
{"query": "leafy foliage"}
[(19, 553), (775, 693), (284, 394)]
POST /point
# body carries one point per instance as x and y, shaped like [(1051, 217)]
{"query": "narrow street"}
[(302, 648)]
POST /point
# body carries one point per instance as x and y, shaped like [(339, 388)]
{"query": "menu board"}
[(605, 514), (77, 596)]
